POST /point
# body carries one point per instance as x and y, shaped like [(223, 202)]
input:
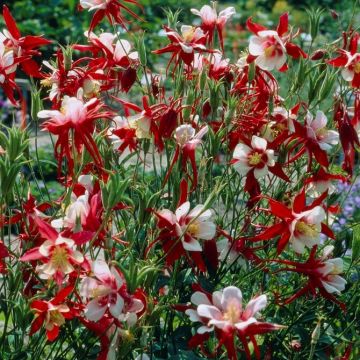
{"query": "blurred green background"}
[(60, 20)]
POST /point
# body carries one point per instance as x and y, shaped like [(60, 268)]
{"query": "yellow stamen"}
[(232, 313), (194, 228), (56, 318), (307, 229), (357, 68), (59, 257), (189, 34), (269, 51), (255, 159)]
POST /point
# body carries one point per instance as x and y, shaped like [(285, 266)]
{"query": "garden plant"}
[(188, 204)]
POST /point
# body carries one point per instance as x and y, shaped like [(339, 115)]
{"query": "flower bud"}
[(318, 54)]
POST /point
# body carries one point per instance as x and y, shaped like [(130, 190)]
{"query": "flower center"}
[(194, 228), (307, 229), (232, 313), (59, 256), (269, 51), (357, 68), (255, 158), (188, 35), (56, 318)]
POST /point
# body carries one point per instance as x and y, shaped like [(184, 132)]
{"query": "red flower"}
[(323, 275), (77, 116), (23, 47), (52, 313), (112, 9), (183, 46), (300, 225), (269, 47)]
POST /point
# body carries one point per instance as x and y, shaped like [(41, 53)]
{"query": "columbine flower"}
[(57, 253), (184, 46), (211, 21), (191, 226), (79, 116), (103, 290), (75, 213), (224, 311), (323, 275), (316, 130), (300, 225), (306, 228), (349, 61), (112, 9), (257, 157), (52, 313), (270, 47)]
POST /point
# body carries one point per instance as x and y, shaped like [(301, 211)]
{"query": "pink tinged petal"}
[(216, 299), (182, 210), (258, 143), (320, 121), (256, 47), (231, 296), (186, 48), (271, 157), (78, 257), (338, 265), (93, 311), (227, 13), (260, 172), (136, 306), (207, 230), (198, 298), (327, 251), (244, 324), (32, 254), (202, 132), (192, 245), (44, 114), (334, 284), (199, 213), (87, 286), (297, 245), (117, 308), (101, 270), (209, 312), (193, 316), (241, 151), (254, 306), (204, 329), (45, 248), (347, 74), (316, 215), (220, 324), (168, 216), (118, 279)]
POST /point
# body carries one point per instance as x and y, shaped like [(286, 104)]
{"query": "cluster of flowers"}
[(70, 254)]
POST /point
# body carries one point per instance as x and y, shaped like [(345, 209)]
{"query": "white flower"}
[(269, 49), (306, 228), (316, 130), (256, 157)]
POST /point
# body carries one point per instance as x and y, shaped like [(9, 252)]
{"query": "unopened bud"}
[(318, 54), (316, 333)]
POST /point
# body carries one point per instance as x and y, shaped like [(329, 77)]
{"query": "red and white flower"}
[(58, 254), (223, 311), (306, 228), (212, 21), (103, 290), (316, 130), (257, 157), (270, 48), (191, 225), (52, 314)]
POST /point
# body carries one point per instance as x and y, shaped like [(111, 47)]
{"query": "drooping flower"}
[(316, 130), (270, 48), (112, 9), (24, 48), (224, 313), (184, 46), (80, 117), (349, 62), (52, 314), (211, 21)]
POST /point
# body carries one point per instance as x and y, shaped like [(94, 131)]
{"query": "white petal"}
[(93, 311), (258, 143), (101, 270), (209, 312), (116, 309), (182, 210), (254, 306), (192, 245), (198, 298)]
